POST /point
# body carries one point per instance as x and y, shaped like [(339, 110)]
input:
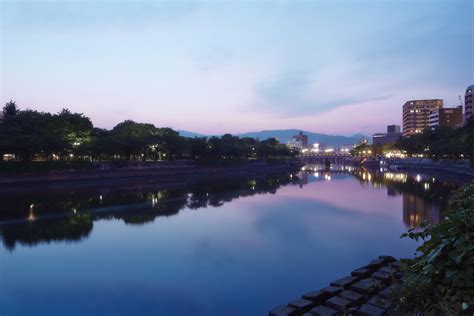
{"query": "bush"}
[(440, 281)]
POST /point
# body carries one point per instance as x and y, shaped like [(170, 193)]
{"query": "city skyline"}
[(235, 67)]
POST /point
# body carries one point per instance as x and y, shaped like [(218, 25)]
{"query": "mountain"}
[(190, 134), (285, 135)]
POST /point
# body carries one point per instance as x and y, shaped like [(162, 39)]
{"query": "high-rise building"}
[(299, 141), (468, 102), (393, 129), (416, 115), (446, 117), (390, 137)]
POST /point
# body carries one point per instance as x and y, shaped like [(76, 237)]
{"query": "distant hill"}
[(285, 135), (190, 134)]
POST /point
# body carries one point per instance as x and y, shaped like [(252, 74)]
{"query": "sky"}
[(337, 67)]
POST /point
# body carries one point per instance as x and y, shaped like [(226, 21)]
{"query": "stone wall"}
[(461, 167), (366, 292)]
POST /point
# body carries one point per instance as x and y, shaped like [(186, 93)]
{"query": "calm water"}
[(235, 247)]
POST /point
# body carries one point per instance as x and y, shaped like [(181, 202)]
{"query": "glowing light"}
[(418, 178), (31, 215)]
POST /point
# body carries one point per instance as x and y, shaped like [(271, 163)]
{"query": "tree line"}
[(438, 143), (28, 135), (442, 143)]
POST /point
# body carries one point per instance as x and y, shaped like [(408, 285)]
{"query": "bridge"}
[(325, 159)]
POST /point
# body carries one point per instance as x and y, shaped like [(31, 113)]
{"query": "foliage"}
[(442, 143), (10, 109), (32, 135), (361, 149), (441, 280)]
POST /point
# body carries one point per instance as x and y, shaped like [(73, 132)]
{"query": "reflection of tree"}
[(167, 208), (73, 228), (144, 206)]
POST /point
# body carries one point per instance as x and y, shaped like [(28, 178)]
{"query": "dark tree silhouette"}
[(10, 109)]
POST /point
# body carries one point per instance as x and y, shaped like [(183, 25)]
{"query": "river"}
[(217, 247)]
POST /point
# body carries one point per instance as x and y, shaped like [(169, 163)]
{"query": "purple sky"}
[(339, 67)]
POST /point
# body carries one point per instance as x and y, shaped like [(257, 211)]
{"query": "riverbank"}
[(458, 168), (111, 174), (366, 292)]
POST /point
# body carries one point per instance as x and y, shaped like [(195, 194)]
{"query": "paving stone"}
[(376, 263), (301, 305), (354, 297), (283, 310), (370, 310), (361, 272), (385, 293), (333, 290), (382, 276), (323, 311), (307, 314), (388, 270), (338, 303), (396, 265), (366, 286), (388, 258), (317, 296), (352, 311), (380, 302), (345, 282)]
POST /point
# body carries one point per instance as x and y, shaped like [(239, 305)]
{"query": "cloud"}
[(295, 94)]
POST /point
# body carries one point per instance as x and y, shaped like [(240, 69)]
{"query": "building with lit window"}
[(392, 135), (416, 115), (468, 102), (446, 117), (299, 141)]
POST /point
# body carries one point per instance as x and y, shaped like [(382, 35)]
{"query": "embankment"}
[(158, 172), (458, 168)]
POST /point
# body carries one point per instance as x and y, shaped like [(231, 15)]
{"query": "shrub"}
[(440, 281)]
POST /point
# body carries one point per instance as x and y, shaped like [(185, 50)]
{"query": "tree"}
[(9, 109)]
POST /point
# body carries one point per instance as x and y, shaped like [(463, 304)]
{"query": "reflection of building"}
[(391, 137), (468, 102), (446, 117), (303, 179), (415, 210), (416, 115), (299, 141), (392, 191)]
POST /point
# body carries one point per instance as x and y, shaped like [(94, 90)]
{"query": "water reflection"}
[(424, 198), (33, 219), (70, 216)]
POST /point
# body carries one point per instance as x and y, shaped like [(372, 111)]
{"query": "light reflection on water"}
[(235, 247)]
